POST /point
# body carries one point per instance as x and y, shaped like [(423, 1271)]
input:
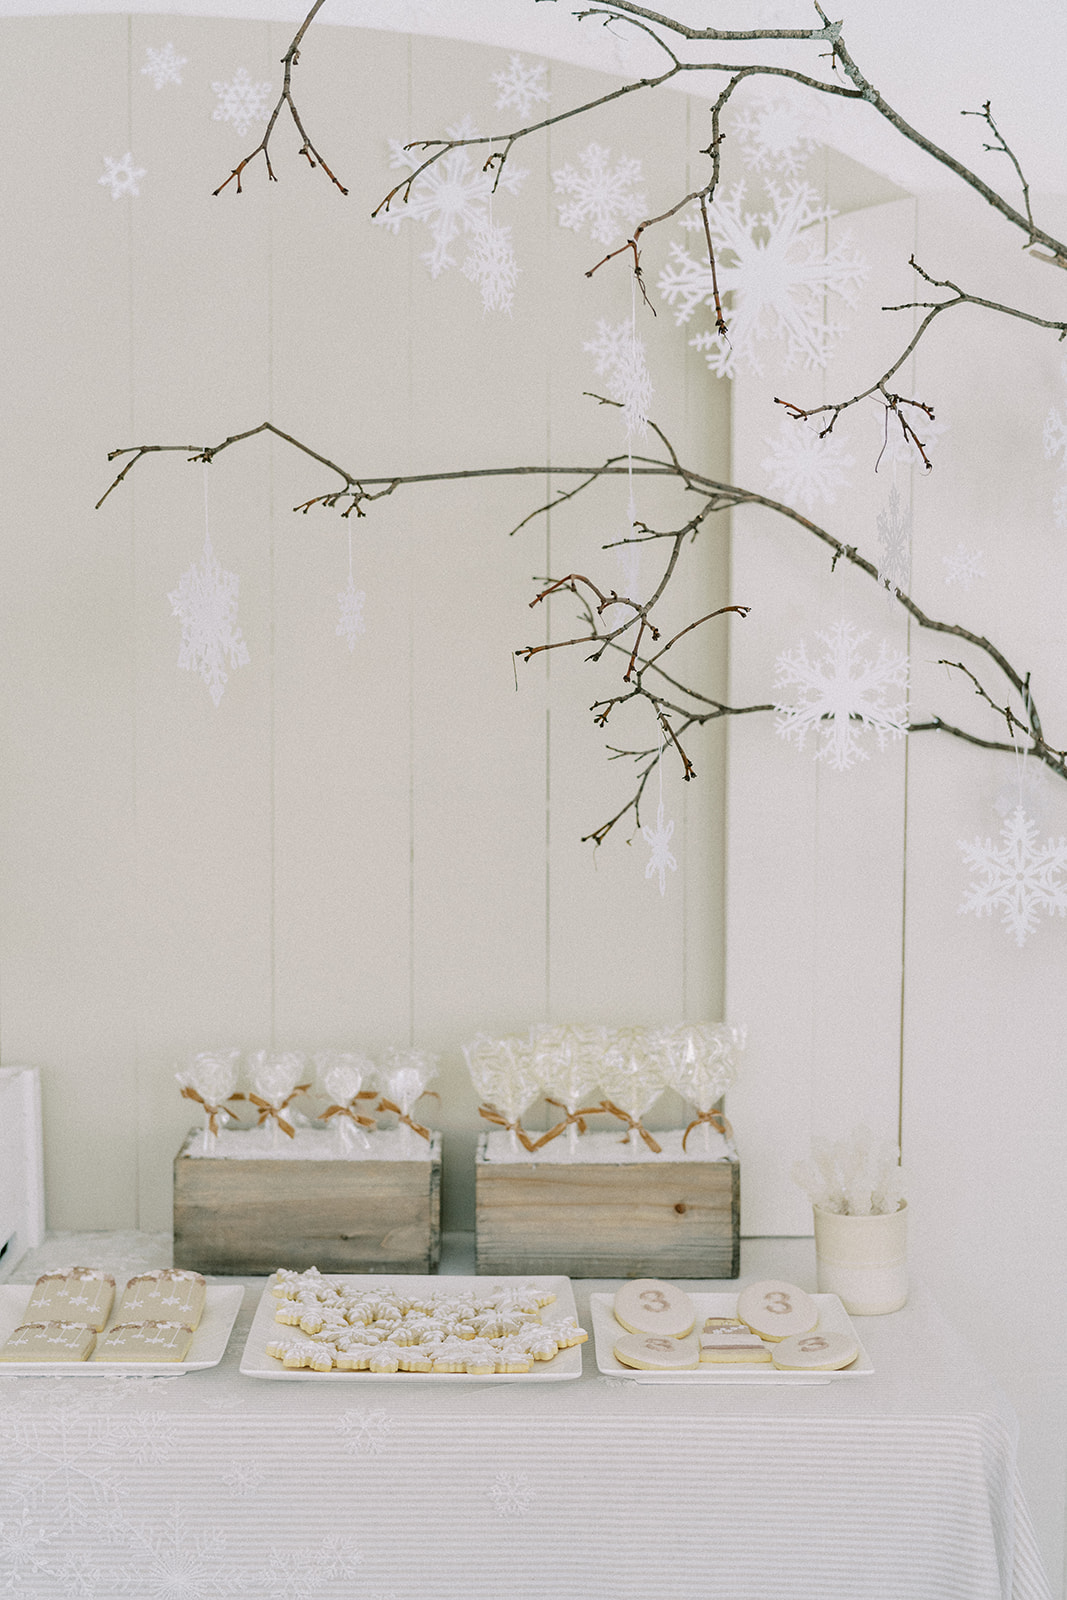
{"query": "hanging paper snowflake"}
[(1020, 878), (240, 101), (841, 696), (521, 86), (620, 357), (894, 543), (205, 602), (963, 566), (774, 135), (658, 840), (609, 199), (451, 199), (804, 467), (121, 177), (776, 273), (1054, 438), (352, 625), (491, 265), (163, 66)]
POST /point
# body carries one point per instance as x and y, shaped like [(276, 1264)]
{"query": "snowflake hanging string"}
[(776, 272), (841, 696), (1019, 878), (609, 199), (658, 839)]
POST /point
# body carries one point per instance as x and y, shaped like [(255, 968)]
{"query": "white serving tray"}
[(832, 1317), (207, 1349), (256, 1363)]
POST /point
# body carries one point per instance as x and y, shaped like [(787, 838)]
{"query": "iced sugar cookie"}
[(170, 1295), (82, 1295), (49, 1341), (775, 1309), (815, 1352), (657, 1352), (145, 1341), (648, 1306), (724, 1339)]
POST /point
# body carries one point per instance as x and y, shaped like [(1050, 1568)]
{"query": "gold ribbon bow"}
[(350, 1111), (491, 1114), (213, 1112), (268, 1110), (416, 1127), (577, 1117), (633, 1124), (715, 1118)]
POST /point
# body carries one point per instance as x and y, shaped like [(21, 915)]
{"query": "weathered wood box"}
[(246, 1217), (626, 1219)]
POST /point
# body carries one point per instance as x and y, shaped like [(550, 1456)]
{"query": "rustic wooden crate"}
[(248, 1217), (670, 1219)]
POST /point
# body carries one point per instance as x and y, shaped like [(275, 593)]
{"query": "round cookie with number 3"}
[(816, 1352), (775, 1309), (657, 1352), (648, 1305)]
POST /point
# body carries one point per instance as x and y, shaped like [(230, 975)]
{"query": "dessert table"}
[(899, 1484)]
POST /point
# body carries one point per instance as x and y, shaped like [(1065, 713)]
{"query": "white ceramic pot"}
[(863, 1260)]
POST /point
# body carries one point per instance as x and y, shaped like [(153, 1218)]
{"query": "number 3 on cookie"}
[(654, 1300), (778, 1302)]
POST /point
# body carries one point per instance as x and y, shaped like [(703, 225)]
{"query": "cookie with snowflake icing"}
[(49, 1341), (145, 1341), (171, 1294), (82, 1295)]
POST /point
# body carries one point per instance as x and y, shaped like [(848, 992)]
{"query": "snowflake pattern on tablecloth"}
[(841, 696), (511, 1494), (366, 1432), (894, 543), (1019, 878), (205, 602), (163, 66), (73, 1470), (352, 623), (121, 176), (304, 1573), (805, 466), (240, 102), (451, 199), (776, 271), (620, 357), (610, 199), (774, 134), (491, 265), (165, 1558), (244, 1479), (658, 839), (521, 85), (963, 565), (1054, 439)]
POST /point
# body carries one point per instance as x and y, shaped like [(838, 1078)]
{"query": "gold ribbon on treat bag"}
[(349, 1110), (715, 1118), (576, 1117), (491, 1114), (268, 1110), (213, 1112), (633, 1124), (416, 1127)]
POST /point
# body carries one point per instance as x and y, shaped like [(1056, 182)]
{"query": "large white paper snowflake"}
[(121, 176), (963, 565), (491, 265), (163, 66), (774, 134), (609, 199), (521, 86), (776, 272), (841, 696), (451, 198), (205, 602), (804, 466), (1020, 878), (240, 101), (894, 543), (658, 839), (1054, 438), (350, 600), (620, 357)]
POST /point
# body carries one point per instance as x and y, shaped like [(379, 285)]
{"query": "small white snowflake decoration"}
[(963, 565), (894, 543), (1054, 438), (240, 101), (350, 599), (658, 840), (1019, 878), (609, 199), (805, 466), (163, 66), (841, 696), (121, 176), (620, 357), (774, 133), (491, 265), (521, 86), (776, 272), (205, 602)]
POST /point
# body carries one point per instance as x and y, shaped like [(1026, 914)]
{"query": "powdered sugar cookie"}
[(826, 1351), (657, 1352), (775, 1309), (649, 1306)]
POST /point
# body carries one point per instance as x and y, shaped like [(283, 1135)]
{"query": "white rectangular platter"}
[(256, 1363), (832, 1315), (207, 1349)]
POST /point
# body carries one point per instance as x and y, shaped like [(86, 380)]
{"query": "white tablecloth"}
[(900, 1485)]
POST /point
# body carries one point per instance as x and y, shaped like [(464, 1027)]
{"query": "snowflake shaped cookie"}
[(841, 696), (777, 274), (163, 66), (1018, 878), (609, 199), (620, 357), (521, 86), (658, 840), (240, 101), (121, 176), (805, 466), (205, 602)]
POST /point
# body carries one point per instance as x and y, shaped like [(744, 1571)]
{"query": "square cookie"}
[(171, 1294), (81, 1295), (145, 1341), (49, 1341)]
